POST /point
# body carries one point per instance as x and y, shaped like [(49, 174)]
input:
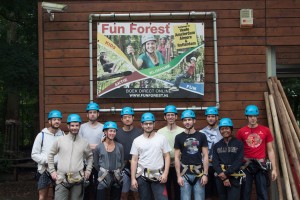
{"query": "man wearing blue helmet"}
[(213, 136), (41, 148), (70, 173), (108, 160), (191, 159), (227, 160), (125, 136), (92, 132), (170, 131), (257, 141), (150, 161)]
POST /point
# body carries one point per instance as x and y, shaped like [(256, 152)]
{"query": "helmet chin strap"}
[(212, 125), (149, 133), (128, 126), (171, 126), (189, 129)]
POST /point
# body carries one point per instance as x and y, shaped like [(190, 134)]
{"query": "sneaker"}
[(174, 89)]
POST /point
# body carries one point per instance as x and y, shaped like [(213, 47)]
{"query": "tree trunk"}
[(12, 108)]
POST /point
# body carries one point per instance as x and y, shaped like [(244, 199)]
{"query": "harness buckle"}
[(148, 174)]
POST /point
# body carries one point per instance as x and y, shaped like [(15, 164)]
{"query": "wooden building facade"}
[(244, 55)]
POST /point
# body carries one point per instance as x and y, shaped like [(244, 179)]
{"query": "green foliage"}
[(19, 63), (291, 87), (18, 57)]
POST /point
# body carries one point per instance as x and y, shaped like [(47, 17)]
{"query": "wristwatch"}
[(205, 174)]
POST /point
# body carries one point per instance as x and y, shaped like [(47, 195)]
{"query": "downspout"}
[(91, 55), (216, 59)]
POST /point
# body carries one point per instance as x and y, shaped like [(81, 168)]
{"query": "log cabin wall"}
[(64, 56)]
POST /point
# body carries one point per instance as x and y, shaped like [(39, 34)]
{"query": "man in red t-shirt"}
[(257, 141)]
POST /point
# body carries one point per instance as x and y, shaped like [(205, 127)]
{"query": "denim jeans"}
[(186, 189), (260, 183), (179, 77), (148, 190), (232, 193)]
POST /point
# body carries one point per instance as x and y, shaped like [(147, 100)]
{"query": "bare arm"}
[(133, 166), (177, 166), (271, 156), (137, 63), (164, 176), (204, 178), (205, 159)]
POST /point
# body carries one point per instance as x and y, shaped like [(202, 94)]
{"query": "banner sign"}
[(152, 60)]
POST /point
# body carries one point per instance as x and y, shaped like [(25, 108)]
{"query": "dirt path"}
[(24, 189)]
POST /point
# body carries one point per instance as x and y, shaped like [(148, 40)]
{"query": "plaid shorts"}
[(44, 181)]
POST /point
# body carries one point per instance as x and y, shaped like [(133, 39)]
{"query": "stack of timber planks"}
[(285, 130)]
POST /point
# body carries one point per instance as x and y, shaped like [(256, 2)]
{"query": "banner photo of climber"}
[(150, 60)]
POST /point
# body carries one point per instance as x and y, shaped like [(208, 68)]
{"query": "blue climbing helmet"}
[(188, 114), (147, 117), (225, 122), (54, 114), (110, 124), (92, 106), (73, 118), (170, 109), (251, 110), (211, 111), (127, 111)]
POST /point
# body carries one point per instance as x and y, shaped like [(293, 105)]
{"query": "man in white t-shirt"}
[(170, 131), (92, 132), (150, 154)]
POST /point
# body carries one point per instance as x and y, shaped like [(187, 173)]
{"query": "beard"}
[(189, 126), (211, 123), (54, 125)]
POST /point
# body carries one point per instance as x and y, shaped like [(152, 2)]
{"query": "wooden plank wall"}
[(283, 30), (283, 23), (64, 54)]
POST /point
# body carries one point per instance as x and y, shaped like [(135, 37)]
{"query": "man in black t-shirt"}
[(125, 136), (191, 158)]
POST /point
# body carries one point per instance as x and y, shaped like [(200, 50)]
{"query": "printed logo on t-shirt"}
[(253, 140), (192, 145)]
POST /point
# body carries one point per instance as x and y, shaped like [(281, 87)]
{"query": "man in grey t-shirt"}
[(92, 131), (213, 136)]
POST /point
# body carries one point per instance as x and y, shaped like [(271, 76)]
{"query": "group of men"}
[(172, 163)]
